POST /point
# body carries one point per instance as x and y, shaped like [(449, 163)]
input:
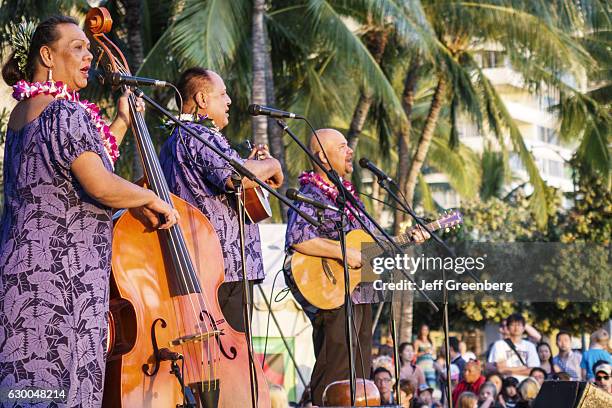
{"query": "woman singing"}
[(56, 230)]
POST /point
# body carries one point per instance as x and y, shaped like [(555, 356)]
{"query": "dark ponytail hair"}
[(45, 34)]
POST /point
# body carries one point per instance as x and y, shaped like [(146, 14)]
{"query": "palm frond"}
[(332, 32), (460, 165), (208, 33), (500, 119), (425, 195)]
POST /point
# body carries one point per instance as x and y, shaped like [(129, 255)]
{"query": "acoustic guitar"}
[(256, 203), (321, 280)]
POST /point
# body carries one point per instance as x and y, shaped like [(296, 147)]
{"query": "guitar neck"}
[(405, 238)]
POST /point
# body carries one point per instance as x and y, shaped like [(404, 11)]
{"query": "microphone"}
[(366, 164), (295, 195), (165, 354), (256, 110), (116, 79)]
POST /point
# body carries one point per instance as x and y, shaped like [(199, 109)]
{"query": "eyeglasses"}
[(602, 377)]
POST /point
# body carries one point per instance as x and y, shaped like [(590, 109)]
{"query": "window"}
[(555, 168), (547, 135), (493, 59), (515, 162)]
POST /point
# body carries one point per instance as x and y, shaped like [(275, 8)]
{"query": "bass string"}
[(176, 239)]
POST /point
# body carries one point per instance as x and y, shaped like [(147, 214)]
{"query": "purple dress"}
[(199, 176), (55, 252)]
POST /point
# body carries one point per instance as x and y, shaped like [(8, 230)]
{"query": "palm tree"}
[(376, 41), (258, 87)]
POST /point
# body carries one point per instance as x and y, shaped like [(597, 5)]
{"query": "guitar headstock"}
[(451, 219)]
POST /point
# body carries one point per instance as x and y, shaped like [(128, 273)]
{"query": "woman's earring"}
[(50, 75)]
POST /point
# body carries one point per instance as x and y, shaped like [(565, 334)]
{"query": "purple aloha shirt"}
[(55, 253), (196, 174), (300, 230)]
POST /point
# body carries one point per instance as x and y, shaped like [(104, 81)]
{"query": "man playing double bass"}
[(329, 337), (198, 175)]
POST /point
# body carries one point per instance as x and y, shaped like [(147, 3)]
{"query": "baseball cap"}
[(425, 387), (605, 367)]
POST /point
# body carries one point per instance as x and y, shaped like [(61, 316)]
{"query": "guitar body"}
[(256, 204), (321, 280)]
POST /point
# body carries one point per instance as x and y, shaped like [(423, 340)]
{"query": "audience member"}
[(467, 400), (545, 356), (408, 369), (528, 390), (532, 335), (426, 394), (567, 360), (384, 382), (487, 396), (603, 375), (597, 351), (407, 391), (425, 355), (497, 379), (514, 356), (509, 394), (455, 355), (465, 353), (472, 380), (440, 366), (539, 374), (561, 376)]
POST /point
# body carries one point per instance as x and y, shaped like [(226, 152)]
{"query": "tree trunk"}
[(404, 138), (359, 118), (377, 206), (376, 43), (275, 133), (133, 24), (404, 304), (425, 140), (258, 93)]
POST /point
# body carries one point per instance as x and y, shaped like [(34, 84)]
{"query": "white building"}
[(537, 125)]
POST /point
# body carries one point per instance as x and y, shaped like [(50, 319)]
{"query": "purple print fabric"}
[(199, 176), (300, 230), (55, 252)]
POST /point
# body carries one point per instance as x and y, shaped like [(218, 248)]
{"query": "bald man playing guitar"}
[(329, 335)]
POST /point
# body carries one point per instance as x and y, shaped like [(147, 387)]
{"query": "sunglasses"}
[(602, 377)]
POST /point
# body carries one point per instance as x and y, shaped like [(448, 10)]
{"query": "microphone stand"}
[(237, 183), (348, 305), (386, 183), (343, 195), (243, 172)]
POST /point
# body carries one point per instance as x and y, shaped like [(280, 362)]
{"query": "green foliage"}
[(588, 222)]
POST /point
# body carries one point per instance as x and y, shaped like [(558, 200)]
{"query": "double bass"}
[(169, 344)]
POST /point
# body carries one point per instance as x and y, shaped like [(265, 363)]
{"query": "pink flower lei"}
[(24, 90), (310, 177)]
